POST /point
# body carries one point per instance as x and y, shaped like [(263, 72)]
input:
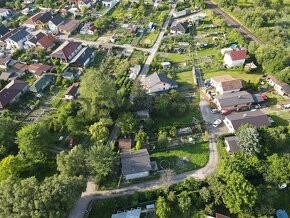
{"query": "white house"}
[(17, 40), (86, 3), (134, 71), (158, 83), (226, 84), (235, 58), (108, 3), (54, 23), (135, 164), (281, 88), (5, 12)]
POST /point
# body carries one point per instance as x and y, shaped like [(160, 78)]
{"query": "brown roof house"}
[(125, 144), (232, 145), (235, 58), (39, 69), (12, 92), (72, 92), (255, 118), (42, 40), (38, 20), (234, 101), (69, 26), (226, 84), (67, 51), (281, 88), (135, 164)]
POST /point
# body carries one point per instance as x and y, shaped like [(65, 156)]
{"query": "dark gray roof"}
[(180, 27), (155, 78), (37, 37), (236, 98), (233, 143), (135, 162), (84, 54), (21, 34), (45, 17), (255, 118), (57, 19), (3, 30)]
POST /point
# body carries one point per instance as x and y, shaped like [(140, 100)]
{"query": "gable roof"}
[(3, 30), (57, 20), (72, 90), (47, 41), (84, 54), (255, 118), (179, 26), (236, 98), (7, 35), (65, 49), (69, 25), (237, 55), (10, 91), (156, 78), (135, 162), (44, 18), (232, 143), (284, 86), (33, 19), (39, 69), (38, 36), (21, 34), (228, 82)]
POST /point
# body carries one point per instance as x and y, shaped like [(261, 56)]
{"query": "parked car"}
[(286, 106), (217, 123), (225, 111), (214, 111)]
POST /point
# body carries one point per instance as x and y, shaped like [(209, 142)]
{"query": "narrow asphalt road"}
[(233, 23), (154, 48)]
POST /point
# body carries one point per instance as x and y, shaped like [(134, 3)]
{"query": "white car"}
[(217, 123), (286, 106)]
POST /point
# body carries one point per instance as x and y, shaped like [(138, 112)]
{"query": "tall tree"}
[(163, 209), (99, 132), (278, 169), (239, 194), (249, 140), (7, 134), (72, 163), (127, 123), (34, 140)]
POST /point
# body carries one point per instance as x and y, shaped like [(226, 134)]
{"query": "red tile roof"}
[(238, 55), (47, 41)]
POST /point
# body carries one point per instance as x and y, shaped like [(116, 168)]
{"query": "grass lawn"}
[(283, 201), (197, 155), (150, 38), (175, 57), (184, 120), (281, 118), (253, 77), (208, 52), (185, 80)]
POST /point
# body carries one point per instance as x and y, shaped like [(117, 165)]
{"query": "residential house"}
[(42, 82), (42, 40), (38, 20), (108, 3), (4, 62), (86, 3), (256, 118), (67, 51), (235, 58), (54, 23), (6, 36), (158, 82), (72, 92), (69, 26), (12, 92), (232, 145), (135, 164), (88, 28), (134, 71), (179, 28), (5, 12), (125, 144), (234, 101), (82, 59), (3, 30), (17, 40), (6, 76), (39, 69), (34, 39), (281, 88), (178, 14), (133, 213), (226, 84), (14, 71)]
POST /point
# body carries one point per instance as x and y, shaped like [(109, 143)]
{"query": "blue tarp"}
[(281, 214)]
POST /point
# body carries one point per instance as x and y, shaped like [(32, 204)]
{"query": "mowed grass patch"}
[(183, 158), (253, 77), (176, 58), (185, 80), (280, 118)]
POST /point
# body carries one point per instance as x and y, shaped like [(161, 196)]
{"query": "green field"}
[(150, 38), (176, 58), (185, 80), (196, 154), (281, 118), (253, 77)]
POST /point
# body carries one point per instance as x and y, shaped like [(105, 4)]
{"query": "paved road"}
[(233, 23), (154, 48)]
